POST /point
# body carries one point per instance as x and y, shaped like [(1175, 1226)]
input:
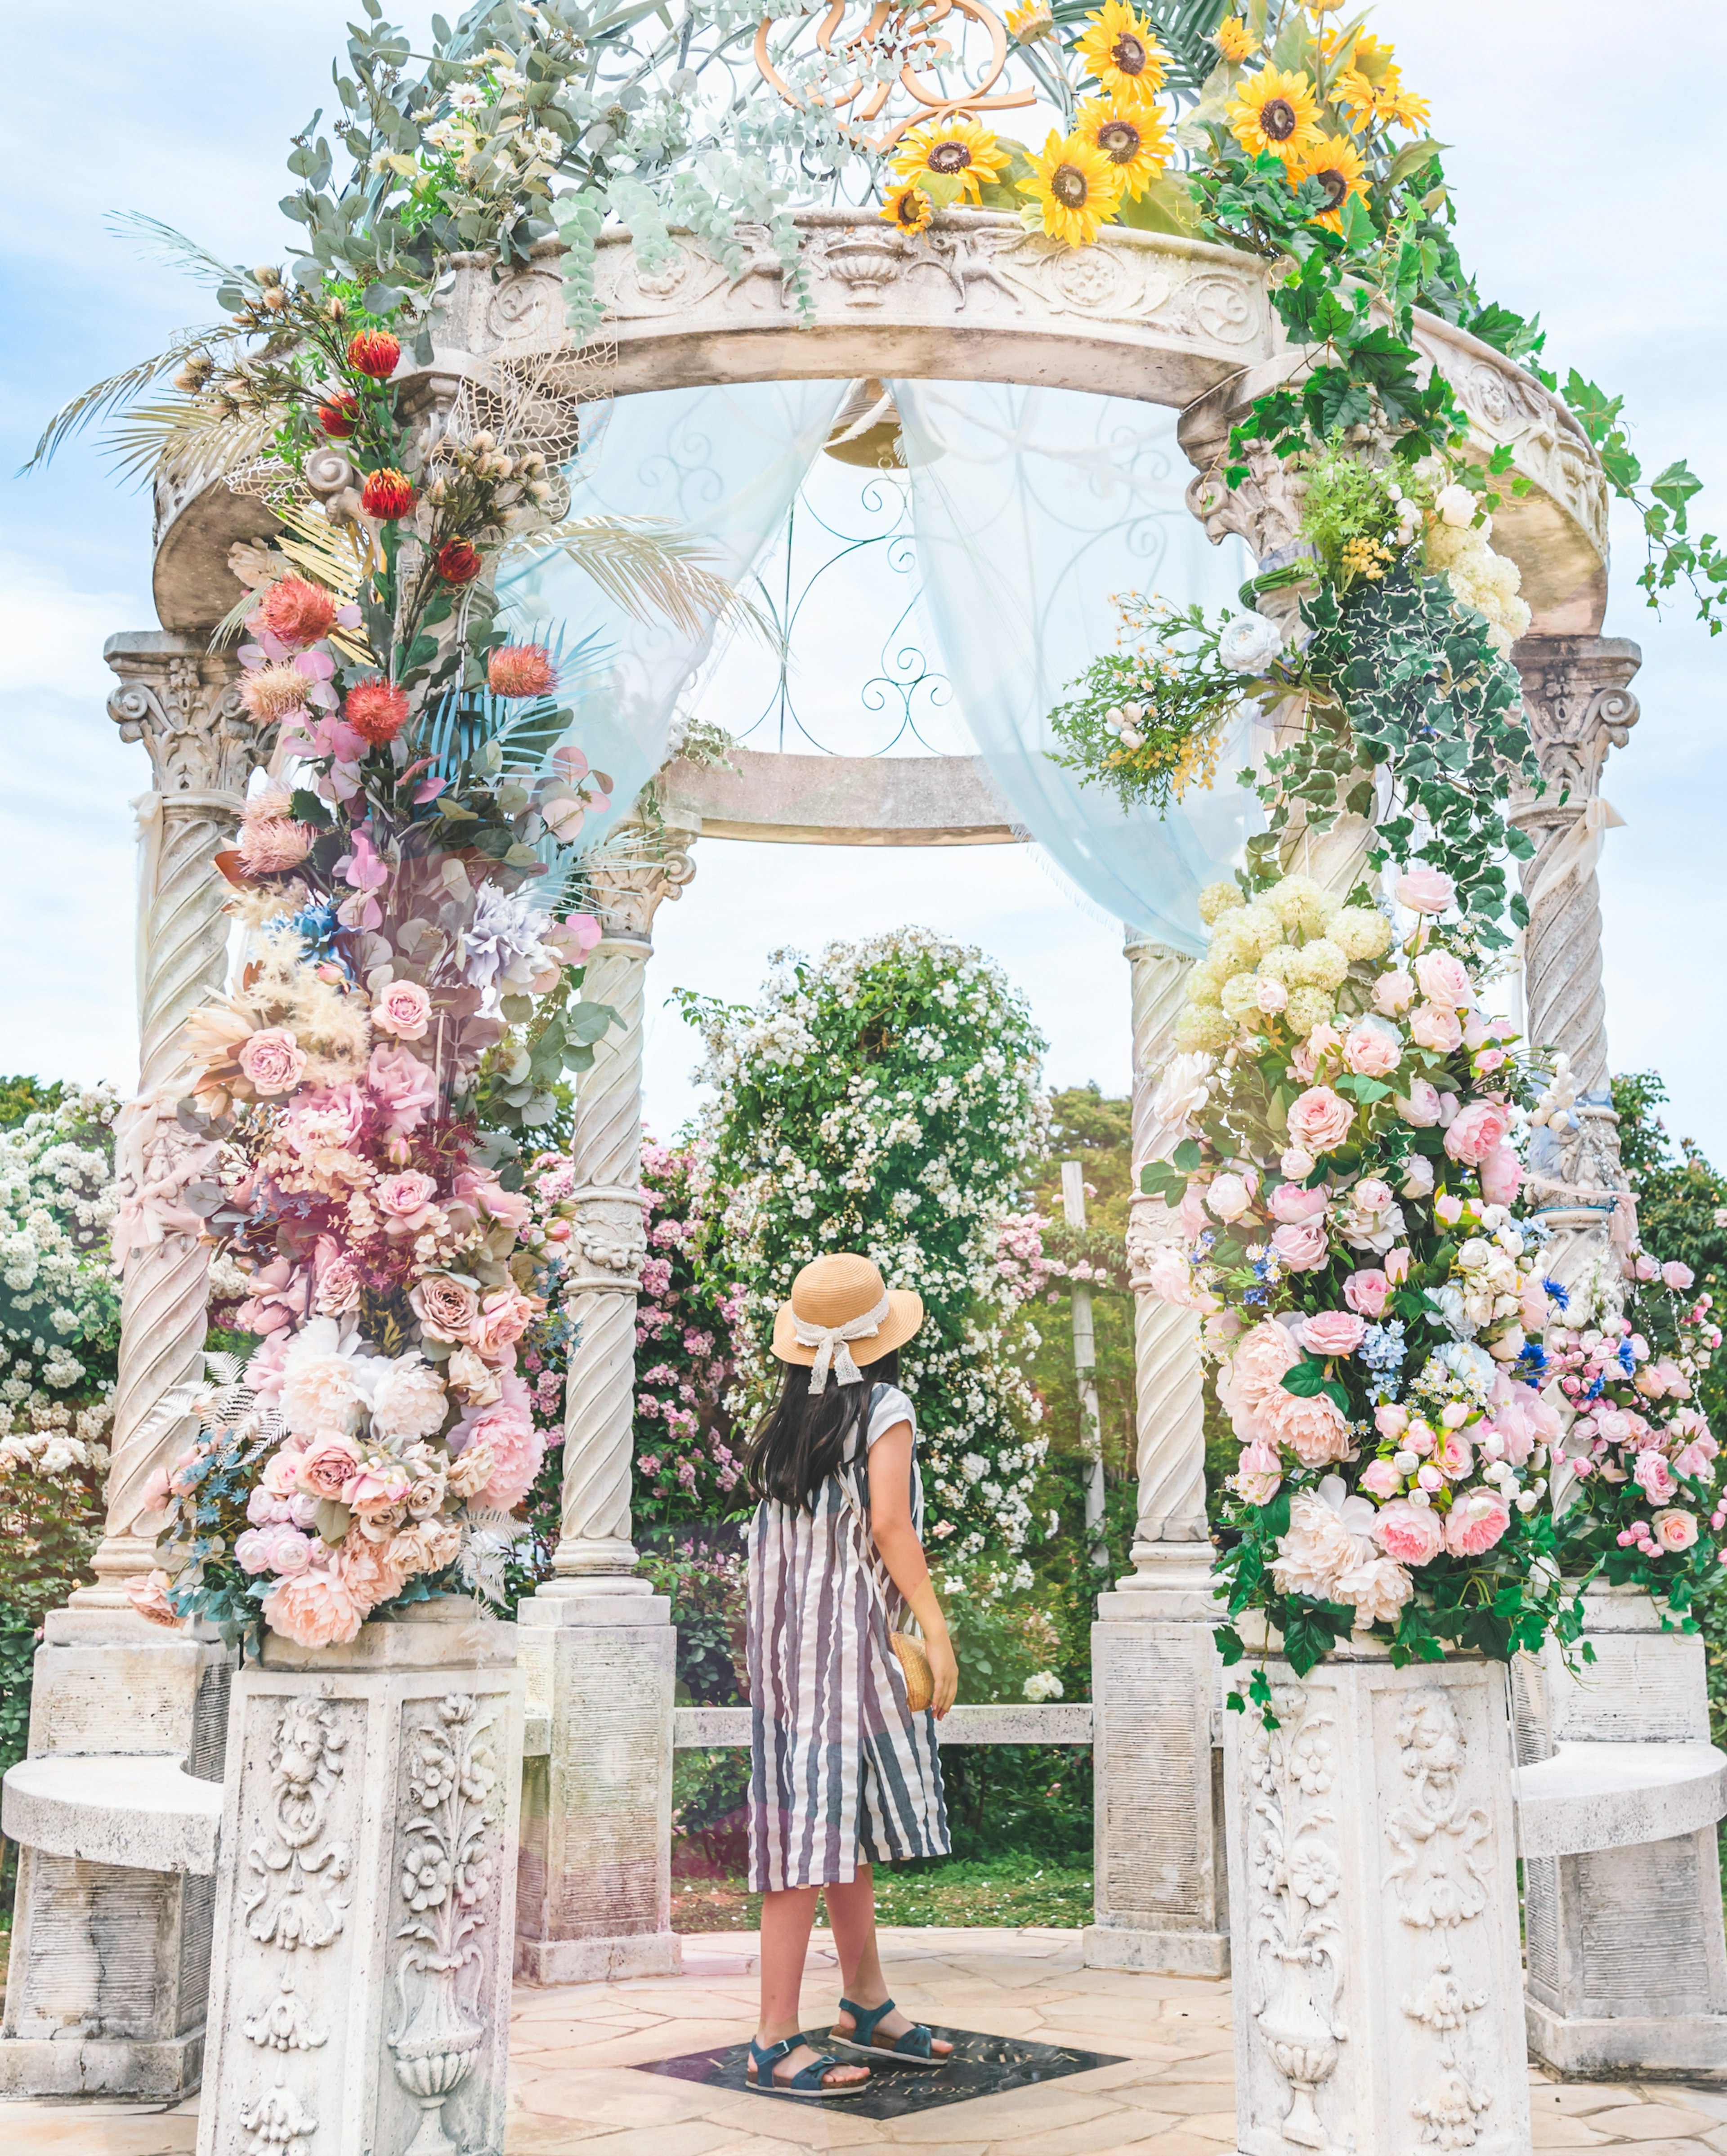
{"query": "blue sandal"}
[(915, 2048), (806, 2081)]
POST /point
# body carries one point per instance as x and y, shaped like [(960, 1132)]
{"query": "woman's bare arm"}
[(902, 1554)]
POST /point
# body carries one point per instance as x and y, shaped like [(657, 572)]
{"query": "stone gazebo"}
[(111, 1950)]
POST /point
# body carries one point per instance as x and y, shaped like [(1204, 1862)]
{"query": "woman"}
[(844, 1775)]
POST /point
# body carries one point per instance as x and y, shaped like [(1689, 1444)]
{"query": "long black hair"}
[(802, 1439)]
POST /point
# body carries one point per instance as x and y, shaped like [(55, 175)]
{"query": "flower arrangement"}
[(685, 1466), (1347, 1193), (884, 1100)]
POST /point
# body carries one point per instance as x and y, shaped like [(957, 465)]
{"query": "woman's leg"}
[(851, 1911), (786, 1918)]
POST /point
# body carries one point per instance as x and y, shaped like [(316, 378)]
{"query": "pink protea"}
[(268, 845), (522, 670), (269, 693), (294, 611)]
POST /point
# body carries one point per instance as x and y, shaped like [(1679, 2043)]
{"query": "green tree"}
[(1682, 1205)]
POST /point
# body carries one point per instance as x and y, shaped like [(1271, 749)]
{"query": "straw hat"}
[(841, 1316)]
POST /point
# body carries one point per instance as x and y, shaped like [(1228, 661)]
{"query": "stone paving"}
[(1172, 2094)]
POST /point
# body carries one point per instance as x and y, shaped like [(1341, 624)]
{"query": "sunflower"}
[(1384, 104), (1119, 48), (1031, 21), (908, 208), (1132, 136), (1337, 164), (1076, 187), (1233, 38), (951, 149), (1275, 111)]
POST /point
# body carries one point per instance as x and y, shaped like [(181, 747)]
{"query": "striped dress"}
[(842, 1773)]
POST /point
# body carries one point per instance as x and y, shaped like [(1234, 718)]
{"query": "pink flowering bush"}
[(1372, 1303)]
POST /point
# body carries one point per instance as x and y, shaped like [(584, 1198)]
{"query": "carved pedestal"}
[(110, 1958), (1161, 1896), (1373, 1912), (365, 1902), (1627, 1965)]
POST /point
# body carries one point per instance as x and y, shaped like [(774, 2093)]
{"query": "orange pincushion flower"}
[(387, 494), (522, 670), (457, 563), (374, 352), (339, 418), (377, 711), (294, 611)]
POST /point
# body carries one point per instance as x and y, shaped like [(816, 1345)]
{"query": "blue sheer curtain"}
[(723, 465), (1031, 507)]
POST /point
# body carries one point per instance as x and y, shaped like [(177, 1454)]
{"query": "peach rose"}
[(1674, 1528), (364, 1568), (315, 1610), (327, 1466), (1436, 1026), (1376, 1589), (504, 1317), (272, 1061), (404, 1009), (1372, 1050), (147, 1592), (1320, 1120), (446, 1307), (1476, 1130), (1476, 1522)]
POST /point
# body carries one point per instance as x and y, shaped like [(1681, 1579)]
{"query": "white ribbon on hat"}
[(829, 1341)]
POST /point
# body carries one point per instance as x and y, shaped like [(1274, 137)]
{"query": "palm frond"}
[(647, 566), (182, 438), (334, 555), (173, 247), (118, 391)]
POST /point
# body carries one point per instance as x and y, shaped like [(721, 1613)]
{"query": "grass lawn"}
[(1008, 1890)]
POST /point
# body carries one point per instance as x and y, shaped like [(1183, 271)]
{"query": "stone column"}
[(1160, 1894), (595, 1889), (107, 1981)]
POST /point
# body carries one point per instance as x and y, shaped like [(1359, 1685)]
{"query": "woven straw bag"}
[(920, 1684)]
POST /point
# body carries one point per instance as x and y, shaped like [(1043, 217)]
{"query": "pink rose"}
[(249, 1551), (404, 1009), (1372, 1050), (1313, 1430), (1501, 1174), (1319, 1120), (281, 1472), (485, 1195), (378, 1485), (1296, 1164), (1423, 889), (1392, 992), (504, 1316), (446, 1307), (1367, 1291), (1444, 979), (1228, 1197), (1476, 1522), (147, 1592), (1300, 1245), (1436, 1026), (1421, 1107), (1372, 1195), (1169, 1277), (1674, 1529), (1332, 1332), (1411, 1533), (403, 1087), (315, 1610), (407, 1199), (1532, 1311), (272, 1061), (1674, 1382), (1694, 1461), (1258, 1474), (325, 1466), (1270, 997), (1677, 1277), (1397, 1264), (1476, 1130), (1191, 1212), (1291, 1202), (287, 1551), (1389, 1419), (1381, 1479), (1654, 1477), (1453, 1455)]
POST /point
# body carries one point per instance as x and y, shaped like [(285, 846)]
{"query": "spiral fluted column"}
[(184, 704)]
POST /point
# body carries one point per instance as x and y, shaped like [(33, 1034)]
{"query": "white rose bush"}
[(885, 1100)]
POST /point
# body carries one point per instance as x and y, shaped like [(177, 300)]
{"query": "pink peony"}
[(1300, 1245), (315, 1610), (1392, 992), (268, 844), (1320, 1120), (1444, 979), (1313, 1430), (1436, 1026), (1377, 1588), (272, 1061), (1501, 1174), (1476, 1130), (508, 1431), (1372, 1050), (364, 1568), (1411, 1533), (404, 1009), (1366, 1290), (1423, 889), (1677, 1277), (407, 1199), (403, 1087), (1381, 1479), (325, 1468), (1654, 1477), (1291, 1202), (1332, 1332), (1475, 1522), (1674, 1529), (1255, 1372)]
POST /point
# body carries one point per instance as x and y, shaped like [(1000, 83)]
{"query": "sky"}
[(1584, 180)]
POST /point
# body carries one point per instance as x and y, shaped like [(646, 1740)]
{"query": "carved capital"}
[(627, 894), (183, 703), (1578, 704)]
